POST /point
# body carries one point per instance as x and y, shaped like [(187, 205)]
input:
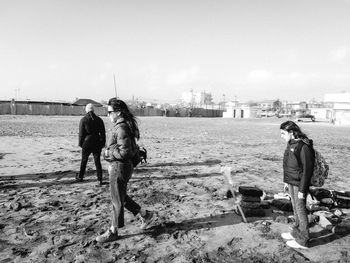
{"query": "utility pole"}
[(223, 98), (115, 87)]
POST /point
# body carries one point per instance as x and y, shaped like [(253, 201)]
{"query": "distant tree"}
[(277, 105), (208, 98)]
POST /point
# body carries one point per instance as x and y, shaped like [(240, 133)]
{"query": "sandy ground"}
[(47, 217)]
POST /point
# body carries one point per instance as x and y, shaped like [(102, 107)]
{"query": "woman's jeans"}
[(119, 175), (301, 229)]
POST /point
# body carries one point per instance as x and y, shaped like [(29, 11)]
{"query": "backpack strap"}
[(297, 151)]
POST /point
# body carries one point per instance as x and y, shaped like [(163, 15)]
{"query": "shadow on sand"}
[(51, 179), (172, 228), (205, 162), (325, 236)]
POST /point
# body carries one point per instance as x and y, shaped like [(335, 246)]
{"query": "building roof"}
[(83, 102)]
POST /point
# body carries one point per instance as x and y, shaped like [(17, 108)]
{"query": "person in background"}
[(92, 138), (120, 149), (296, 177)]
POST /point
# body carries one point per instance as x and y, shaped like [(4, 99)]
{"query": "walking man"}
[(92, 138)]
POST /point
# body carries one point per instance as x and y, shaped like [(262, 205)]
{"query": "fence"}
[(181, 112), (55, 108), (44, 108)]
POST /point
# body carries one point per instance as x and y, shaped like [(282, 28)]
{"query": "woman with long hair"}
[(120, 149), (297, 172)]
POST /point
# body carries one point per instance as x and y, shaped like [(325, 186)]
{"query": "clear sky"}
[(251, 49)]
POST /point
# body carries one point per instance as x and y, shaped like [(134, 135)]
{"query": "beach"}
[(48, 217)]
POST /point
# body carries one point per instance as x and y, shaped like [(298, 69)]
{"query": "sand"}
[(47, 217)]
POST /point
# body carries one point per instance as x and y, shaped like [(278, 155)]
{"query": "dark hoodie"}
[(298, 173), (92, 133)]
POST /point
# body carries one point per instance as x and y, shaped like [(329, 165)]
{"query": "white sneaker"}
[(294, 244), (287, 236), (108, 236), (146, 220)]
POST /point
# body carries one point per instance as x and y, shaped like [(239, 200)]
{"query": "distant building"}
[(266, 108), (266, 105), (240, 111), (297, 106), (339, 111), (321, 110), (84, 102)]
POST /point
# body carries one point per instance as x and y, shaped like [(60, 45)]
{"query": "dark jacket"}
[(295, 173), (92, 133), (121, 144)]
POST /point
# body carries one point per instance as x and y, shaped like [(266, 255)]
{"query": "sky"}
[(157, 49)]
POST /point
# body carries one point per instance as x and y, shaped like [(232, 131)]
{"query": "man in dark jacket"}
[(92, 138)]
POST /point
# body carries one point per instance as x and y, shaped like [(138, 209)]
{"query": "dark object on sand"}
[(251, 201), (250, 191), (250, 198), (282, 204), (229, 194), (253, 212)]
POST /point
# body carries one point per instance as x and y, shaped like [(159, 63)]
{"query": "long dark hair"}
[(291, 126), (130, 119)]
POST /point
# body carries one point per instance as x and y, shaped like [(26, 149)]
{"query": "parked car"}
[(305, 117)]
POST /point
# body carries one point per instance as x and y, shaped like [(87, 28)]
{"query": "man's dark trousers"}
[(84, 159)]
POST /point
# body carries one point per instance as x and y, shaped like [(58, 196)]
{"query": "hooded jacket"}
[(92, 133), (295, 173)]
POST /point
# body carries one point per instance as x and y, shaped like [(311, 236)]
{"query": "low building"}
[(236, 111), (339, 107)]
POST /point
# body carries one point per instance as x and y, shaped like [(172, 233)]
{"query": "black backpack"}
[(140, 156)]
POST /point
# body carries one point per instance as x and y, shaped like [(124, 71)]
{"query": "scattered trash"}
[(338, 212), (282, 204), (282, 196), (281, 219), (324, 222), (278, 212)]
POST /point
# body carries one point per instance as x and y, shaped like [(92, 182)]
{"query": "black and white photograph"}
[(174, 131)]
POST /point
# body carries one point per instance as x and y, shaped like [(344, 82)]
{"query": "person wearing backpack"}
[(120, 151), (297, 179)]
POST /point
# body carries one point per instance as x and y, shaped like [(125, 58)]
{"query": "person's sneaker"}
[(78, 178), (146, 220), (108, 236), (294, 244), (287, 236)]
